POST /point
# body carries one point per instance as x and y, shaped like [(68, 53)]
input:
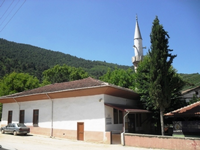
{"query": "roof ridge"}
[(99, 81), (66, 82)]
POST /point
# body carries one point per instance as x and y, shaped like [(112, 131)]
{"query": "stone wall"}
[(161, 142)]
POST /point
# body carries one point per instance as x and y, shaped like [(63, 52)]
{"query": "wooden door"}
[(9, 117), (80, 131)]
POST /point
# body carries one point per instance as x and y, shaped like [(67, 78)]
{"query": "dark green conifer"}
[(160, 79)]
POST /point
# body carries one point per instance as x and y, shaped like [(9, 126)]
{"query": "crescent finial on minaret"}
[(136, 18)]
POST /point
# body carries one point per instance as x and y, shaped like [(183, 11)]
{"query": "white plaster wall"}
[(66, 112), (44, 112), (88, 109), (15, 112), (117, 128), (44, 107)]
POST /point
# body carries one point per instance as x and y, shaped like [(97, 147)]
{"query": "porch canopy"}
[(126, 108), (192, 110)]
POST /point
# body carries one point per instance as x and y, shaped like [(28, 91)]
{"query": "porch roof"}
[(190, 110), (127, 108)]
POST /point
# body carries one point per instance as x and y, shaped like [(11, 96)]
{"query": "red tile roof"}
[(72, 85), (190, 110)]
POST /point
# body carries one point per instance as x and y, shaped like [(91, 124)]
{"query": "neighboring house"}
[(188, 94), (87, 109), (186, 120)]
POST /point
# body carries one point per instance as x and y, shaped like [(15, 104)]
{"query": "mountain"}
[(34, 60), (193, 79)]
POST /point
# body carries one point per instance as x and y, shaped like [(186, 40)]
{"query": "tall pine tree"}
[(156, 80), (160, 79)]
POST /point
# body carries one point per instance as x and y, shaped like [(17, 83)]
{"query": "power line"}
[(7, 9), (9, 12), (13, 15)]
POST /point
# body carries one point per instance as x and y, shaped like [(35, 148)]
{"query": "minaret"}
[(137, 46)]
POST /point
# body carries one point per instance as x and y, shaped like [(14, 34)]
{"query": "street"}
[(37, 142)]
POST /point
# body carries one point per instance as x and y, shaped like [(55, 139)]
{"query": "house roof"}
[(82, 83), (189, 90), (82, 87), (190, 110)]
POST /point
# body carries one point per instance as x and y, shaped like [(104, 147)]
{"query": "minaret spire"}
[(137, 46), (137, 30)]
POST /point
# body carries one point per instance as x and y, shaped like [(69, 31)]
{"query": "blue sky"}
[(104, 29)]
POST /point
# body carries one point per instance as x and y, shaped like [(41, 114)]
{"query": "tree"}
[(142, 85), (142, 82), (16, 82), (194, 99), (120, 77), (157, 81), (63, 73)]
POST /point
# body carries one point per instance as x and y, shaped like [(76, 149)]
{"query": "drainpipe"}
[(18, 106), (51, 132), (122, 135)]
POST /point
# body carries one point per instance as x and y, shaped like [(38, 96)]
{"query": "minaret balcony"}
[(136, 59)]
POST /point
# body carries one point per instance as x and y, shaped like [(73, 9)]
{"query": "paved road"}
[(36, 142)]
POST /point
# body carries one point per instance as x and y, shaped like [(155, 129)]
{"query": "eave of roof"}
[(190, 110), (189, 90), (127, 108)]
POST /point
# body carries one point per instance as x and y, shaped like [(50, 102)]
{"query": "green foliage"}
[(157, 82), (142, 82), (17, 82), (63, 73), (34, 60), (193, 80), (120, 77), (160, 85), (194, 99)]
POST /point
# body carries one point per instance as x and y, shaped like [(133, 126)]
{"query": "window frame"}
[(117, 116)]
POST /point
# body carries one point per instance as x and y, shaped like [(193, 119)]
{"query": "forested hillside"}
[(193, 79), (34, 60)]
